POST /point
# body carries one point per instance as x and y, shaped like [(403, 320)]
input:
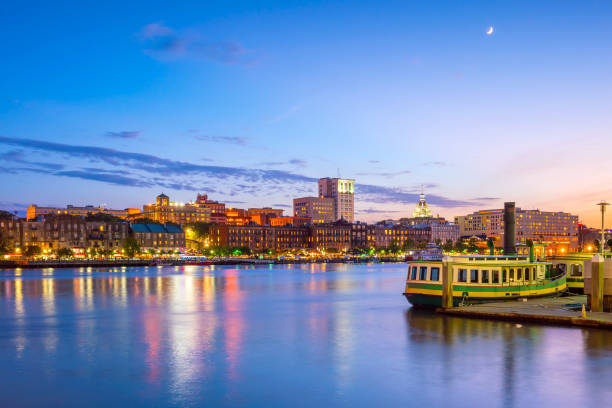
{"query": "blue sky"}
[(252, 101)]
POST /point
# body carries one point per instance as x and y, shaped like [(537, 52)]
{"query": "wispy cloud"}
[(221, 139), (104, 176), (386, 174), (282, 205), (292, 162), (486, 198), (145, 170), (375, 211), (19, 156), (374, 161), (381, 194), (165, 43), (435, 163), (125, 134)]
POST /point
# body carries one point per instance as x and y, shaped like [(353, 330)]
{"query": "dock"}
[(560, 311)]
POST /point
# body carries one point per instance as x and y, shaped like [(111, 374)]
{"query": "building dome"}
[(422, 210), (162, 195)]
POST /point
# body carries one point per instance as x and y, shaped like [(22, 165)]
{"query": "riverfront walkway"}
[(565, 311)]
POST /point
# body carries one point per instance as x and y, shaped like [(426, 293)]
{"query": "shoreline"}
[(175, 262)]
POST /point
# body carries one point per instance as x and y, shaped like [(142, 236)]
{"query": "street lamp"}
[(603, 204)]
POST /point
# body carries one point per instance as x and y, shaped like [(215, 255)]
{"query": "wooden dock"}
[(553, 310)]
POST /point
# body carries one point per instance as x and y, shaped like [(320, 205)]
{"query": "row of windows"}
[(476, 275)]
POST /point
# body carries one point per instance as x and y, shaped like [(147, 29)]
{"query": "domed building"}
[(422, 210)]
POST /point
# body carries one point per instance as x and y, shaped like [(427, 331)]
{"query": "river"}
[(326, 335)]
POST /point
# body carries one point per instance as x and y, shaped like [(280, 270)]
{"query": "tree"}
[(62, 253), (448, 245), (32, 251), (130, 247), (102, 217), (491, 245), (6, 215), (145, 220), (472, 245), (609, 243), (394, 248), (5, 246), (459, 246), (409, 244)]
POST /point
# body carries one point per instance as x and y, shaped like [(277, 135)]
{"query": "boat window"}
[(435, 274), (511, 274), (485, 276), (423, 273), (519, 274), (527, 274), (413, 274), (474, 276), (495, 277), (462, 275), (504, 276)]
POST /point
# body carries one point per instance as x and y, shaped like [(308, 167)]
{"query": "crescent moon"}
[(490, 31)]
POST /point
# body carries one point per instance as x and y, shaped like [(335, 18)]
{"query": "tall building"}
[(342, 191), (319, 209), (555, 228), (163, 210)]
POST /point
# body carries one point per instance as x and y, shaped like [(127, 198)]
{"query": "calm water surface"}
[(305, 336)]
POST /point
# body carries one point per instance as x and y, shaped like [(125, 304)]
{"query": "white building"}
[(343, 193)]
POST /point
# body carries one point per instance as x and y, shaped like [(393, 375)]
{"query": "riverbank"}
[(92, 263)]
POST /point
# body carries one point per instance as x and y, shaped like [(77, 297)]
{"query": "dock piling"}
[(447, 284), (597, 282)]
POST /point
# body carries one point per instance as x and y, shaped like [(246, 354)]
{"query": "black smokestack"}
[(509, 227)]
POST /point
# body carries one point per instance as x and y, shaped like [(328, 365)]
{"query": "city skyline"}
[(252, 106)]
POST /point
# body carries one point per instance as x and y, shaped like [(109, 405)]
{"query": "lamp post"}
[(603, 204)]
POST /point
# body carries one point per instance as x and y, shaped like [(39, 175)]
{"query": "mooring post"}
[(447, 283), (597, 285)]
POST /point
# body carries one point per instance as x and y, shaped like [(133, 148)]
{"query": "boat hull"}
[(421, 294)]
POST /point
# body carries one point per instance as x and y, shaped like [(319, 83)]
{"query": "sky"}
[(113, 103)]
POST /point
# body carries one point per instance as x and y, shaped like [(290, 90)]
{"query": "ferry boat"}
[(481, 278)]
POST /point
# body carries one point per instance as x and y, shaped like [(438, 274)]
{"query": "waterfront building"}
[(363, 235), (163, 211), (335, 236), (237, 216), (35, 211), (444, 232), (295, 221), (386, 235), (259, 237), (318, 209), (263, 216), (159, 237), (53, 232), (217, 209), (342, 191), (555, 228)]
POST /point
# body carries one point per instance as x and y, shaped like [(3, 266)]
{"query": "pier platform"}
[(564, 311)]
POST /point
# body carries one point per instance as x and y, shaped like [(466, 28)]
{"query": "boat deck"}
[(549, 310)]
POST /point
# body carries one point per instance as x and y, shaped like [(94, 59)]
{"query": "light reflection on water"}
[(305, 335)]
